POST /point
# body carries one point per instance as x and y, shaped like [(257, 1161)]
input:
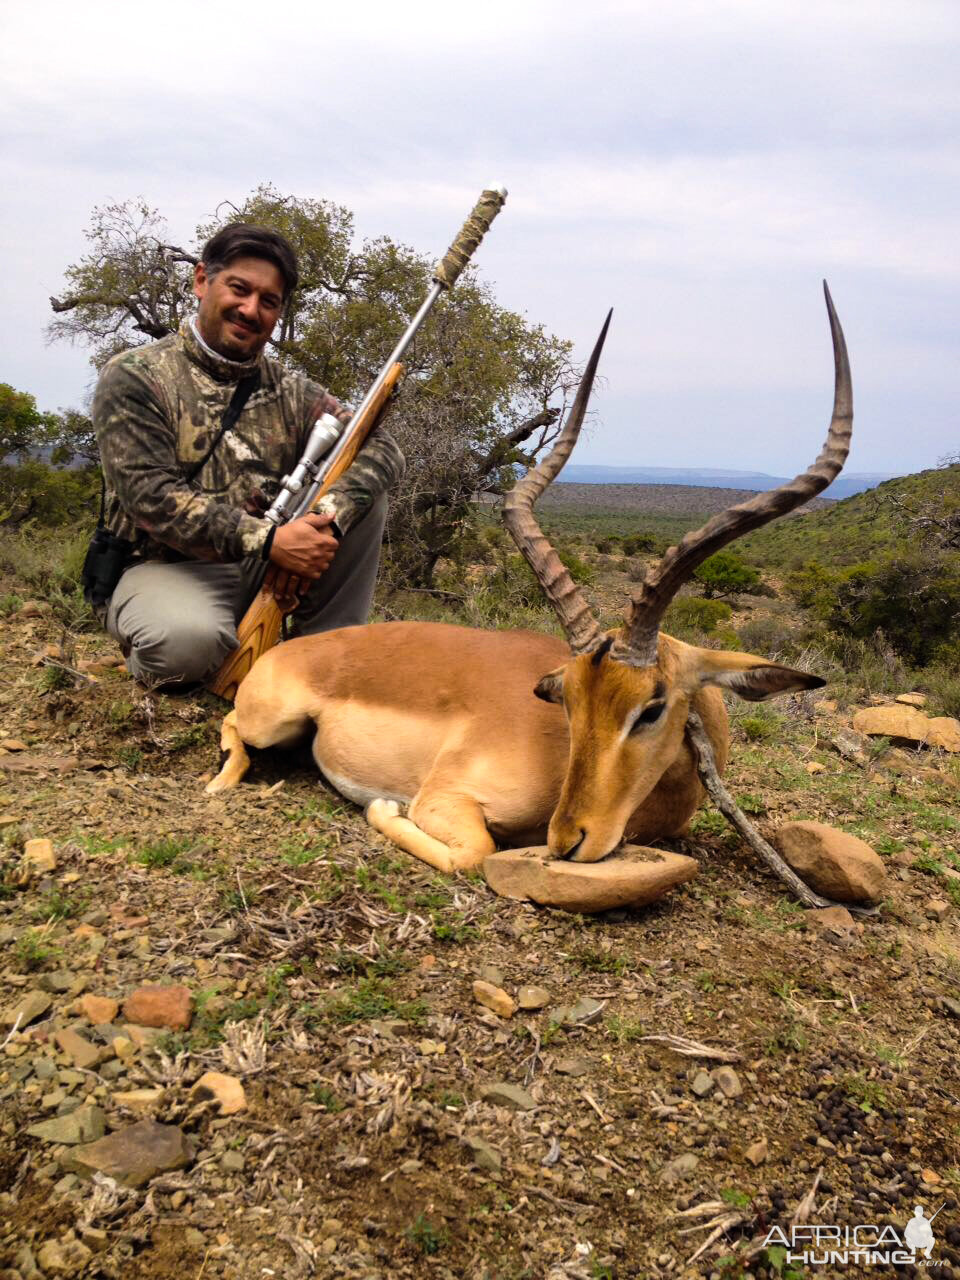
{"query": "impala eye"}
[(649, 715)]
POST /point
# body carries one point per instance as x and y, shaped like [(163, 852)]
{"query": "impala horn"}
[(637, 644), (581, 628)]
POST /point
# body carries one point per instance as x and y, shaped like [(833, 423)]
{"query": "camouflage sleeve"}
[(377, 468), (138, 448)]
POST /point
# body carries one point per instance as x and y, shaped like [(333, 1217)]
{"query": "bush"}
[(35, 492), (638, 542), (691, 614), (726, 573)]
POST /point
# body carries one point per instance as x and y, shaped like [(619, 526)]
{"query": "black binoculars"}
[(106, 558)]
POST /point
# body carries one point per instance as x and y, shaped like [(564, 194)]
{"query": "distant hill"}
[(858, 528), (699, 503), (707, 478)]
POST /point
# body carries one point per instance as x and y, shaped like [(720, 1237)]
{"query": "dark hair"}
[(243, 240)]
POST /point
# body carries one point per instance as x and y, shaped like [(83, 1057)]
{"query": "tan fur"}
[(444, 720)]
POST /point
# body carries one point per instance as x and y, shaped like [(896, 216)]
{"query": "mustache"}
[(235, 318)]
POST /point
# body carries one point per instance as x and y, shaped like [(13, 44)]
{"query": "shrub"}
[(693, 614), (726, 573), (48, 495)]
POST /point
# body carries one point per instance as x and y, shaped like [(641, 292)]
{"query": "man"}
[(202, 545)]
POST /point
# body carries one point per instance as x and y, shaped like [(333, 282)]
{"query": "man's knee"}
[(184, 652)]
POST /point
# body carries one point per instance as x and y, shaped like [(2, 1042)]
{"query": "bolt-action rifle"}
[(329, 452)]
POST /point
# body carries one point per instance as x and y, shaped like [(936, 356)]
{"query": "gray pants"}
[(177, 622)]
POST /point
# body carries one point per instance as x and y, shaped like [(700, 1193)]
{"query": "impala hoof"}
[(378, 811)]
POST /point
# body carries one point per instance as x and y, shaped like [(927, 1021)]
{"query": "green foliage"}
[(36, 492), (22, 425), (166, 854), (726, 573), (34, 952), (424, 1236), (371, 998), (690, 615)]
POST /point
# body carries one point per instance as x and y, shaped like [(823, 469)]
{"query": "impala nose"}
[(572, 851)]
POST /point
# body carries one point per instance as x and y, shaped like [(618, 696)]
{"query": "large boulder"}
[(833, 863), (908, 724), (633, 876)]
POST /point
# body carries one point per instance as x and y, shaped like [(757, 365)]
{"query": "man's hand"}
[(304, 547)]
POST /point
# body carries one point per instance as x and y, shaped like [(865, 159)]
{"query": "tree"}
[(726, 574), (484, 388), (23, 427)]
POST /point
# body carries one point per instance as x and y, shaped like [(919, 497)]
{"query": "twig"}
[(62, 666), (721, 797), (733, 1220), (13, 1032), (593, 1103), (694, 1049), (806, 1206)]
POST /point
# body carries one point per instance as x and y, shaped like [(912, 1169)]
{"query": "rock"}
[(944, 732), (573, 1066), (836, 920), (832, 862), (232, 1162), (728, 1081), (98, 1009), (169, 1007), (38, 857), (142, 1037), (492, 974), (825, 707), (508, 1095), (482, 1154), (936, 908), (28, 1009), (123, 1047), (134, 1155), (63, 1258), (912, 699), (494, 998), (815, 767), (137, 1099), (702, 1084), (950, 1006), (31, 609), (13, 744), (226, 1090), (84, 1054), (533, 997), (756, 1153), (899, 723), (59, 982), (850, 746), (86, 1124), (680, 1167), (632, 876)]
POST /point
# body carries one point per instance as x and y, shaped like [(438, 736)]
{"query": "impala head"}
[(627, 693)]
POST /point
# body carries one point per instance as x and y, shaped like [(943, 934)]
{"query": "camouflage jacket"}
[(156, 411)]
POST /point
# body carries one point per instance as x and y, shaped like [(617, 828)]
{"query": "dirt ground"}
[(334, 975)]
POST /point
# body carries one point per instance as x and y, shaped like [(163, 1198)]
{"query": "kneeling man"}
[(192, 506)]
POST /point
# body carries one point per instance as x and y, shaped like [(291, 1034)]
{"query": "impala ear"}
[(550, 686), (750, 677)]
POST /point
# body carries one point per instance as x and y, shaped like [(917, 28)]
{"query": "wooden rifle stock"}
[(259, 629)]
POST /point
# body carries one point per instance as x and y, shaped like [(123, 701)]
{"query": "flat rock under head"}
[(632, 876)]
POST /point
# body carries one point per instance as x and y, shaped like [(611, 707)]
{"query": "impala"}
[(491, 738)]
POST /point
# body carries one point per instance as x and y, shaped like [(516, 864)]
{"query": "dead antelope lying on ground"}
[(504, 737)]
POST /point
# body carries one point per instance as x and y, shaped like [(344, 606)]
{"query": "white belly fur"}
[(356, 791)]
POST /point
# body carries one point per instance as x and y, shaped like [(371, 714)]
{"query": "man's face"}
[(239, 306)]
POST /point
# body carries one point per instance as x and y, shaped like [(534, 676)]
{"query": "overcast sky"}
[(698, 165)]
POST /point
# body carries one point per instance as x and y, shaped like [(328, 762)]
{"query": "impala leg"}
[(237, 762), (467, 841)]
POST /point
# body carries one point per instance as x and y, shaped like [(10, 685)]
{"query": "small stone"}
[(728, 1081), (132, 1156), (912, 699), (678, 1168), (825, 707), (13, 744), (584, 1012), (84, 1054), (836, 920), (702, 1084), (226, 1090), (98, 1009), (66, 1184), (428, 964), (63, 1258), (815, 767), (38, 856), (850, 746), (573, 1066), (482, 1154), (936, 908), (508, 1095), (330, 1227), (59, 982), (232, 1162), (931, 1177), (28, 1009), (533, 997), (492, 974), (44, 1069), (950, 1006), (142, 1037), (756, 1153), (95, 1238), (834, 863), (137, 1099), (411, 1166), (494, 998), (32, 609), (169, 1007), (85, 1124), (123, 1048)]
